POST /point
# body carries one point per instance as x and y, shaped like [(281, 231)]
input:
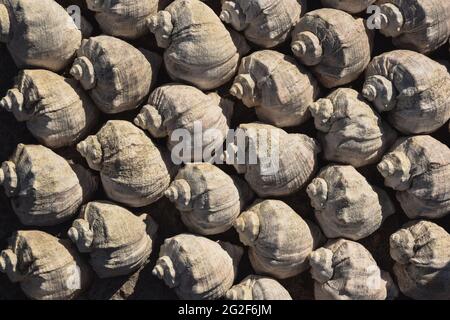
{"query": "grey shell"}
[(351, 6), (256, 287)]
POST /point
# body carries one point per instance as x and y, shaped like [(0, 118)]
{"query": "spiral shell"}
[(419, 169), (277, 86), (46, 267), (351, 132), (196, 268), (266, 23), (187, 27), (132, 169), (335, 45), (280, 240), (422, 260), (412, 88), (256, 287), (117, 75), (38, 34), (345, 270), (43, 188), (350, 6)]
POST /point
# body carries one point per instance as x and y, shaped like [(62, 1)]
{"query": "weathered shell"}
[(256, 287), (346, 205), (419, 169), (266, 23), (132, 169), (117, 75), (274, 162), (412, 88), (277, 86), (351, 132), (422, 260), (351, 6), (39, 34), (43, 187), (209, 199), (198, 117), (345, 270), (123, 18), (280, 240), (336, 45), (117, 240), (56, 110), (46, 267), (197, 268), (419, 25), (187, 27)]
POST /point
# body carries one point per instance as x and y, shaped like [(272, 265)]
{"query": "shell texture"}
[(46, 267), (132, 169), (335, 45), (350, 6), (256, 287), (277, 86), (418, 168)]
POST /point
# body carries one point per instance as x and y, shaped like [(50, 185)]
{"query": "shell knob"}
[(321, 262), (402, 246), (81, 234), (150, 119), (391, 20), (322, 111), (247, 225), (307, 48), (91, 149), (164, 270), (160, 24), (318, 192), (180, 192), (395, 168), (83, 71), (381, 92)]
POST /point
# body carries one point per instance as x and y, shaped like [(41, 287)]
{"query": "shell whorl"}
[(381, 91), (322, 111), (232, 14), (179, 191), (13, 101), (9, 179), (402, 246), (81, 234), (165, 270), (391, 20), (240, 292), (161, 25), (91, 149), (321, 265), (98, 5), (8, 265), (83, 71), (318, 192), (244, 88), (248, 227), (396, 169), (150, 119), (307, 48), (5, 24)]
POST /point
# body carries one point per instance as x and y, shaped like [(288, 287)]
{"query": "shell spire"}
[(83, 71)]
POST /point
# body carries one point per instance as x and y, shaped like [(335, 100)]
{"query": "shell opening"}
[(81, 234), (402, 246), (395, 168), (150, 119), (322, 111), (381, 92), (5, 24), (92, 151), (9, 179), (391, 20), (318, 192), (83, 71), (232, 14), (160, 24), (13, 101), (247, 225), (307, 48), (179, 191), (164, 270), (321, 262)]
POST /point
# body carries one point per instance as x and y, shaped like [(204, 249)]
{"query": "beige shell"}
[(187, 27), (256, 287), (351, 6), (266, 23), (38, 34), (412, 88), (56, 110), (274, 162), (346, 205), (335, 45), (277, 86), (280, 240), (345, 270), (419, 169), (46, 267), (209, 199), (132, 169), (350, 131), (197, 268), (117, 75), (43, 187), (118, 241), (123, 18), (422, 260), (419, 25), (175, 107)]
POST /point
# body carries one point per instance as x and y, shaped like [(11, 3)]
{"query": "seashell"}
[(196, 268), (43, 188), (46, 267), (345, 270), (132, 169), (38, 34), (412, 88), (187, 27), (350, 6), (418, 25), (117, 76), (336, 46), (57, 112), (123, 18), (346, 205), (274, 162), (280, 240), (350, 131), (209, 199), (277, 86), (422, 260), (419, 169), (176, 107), (118, 241), (256, 287), (265, 23)]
